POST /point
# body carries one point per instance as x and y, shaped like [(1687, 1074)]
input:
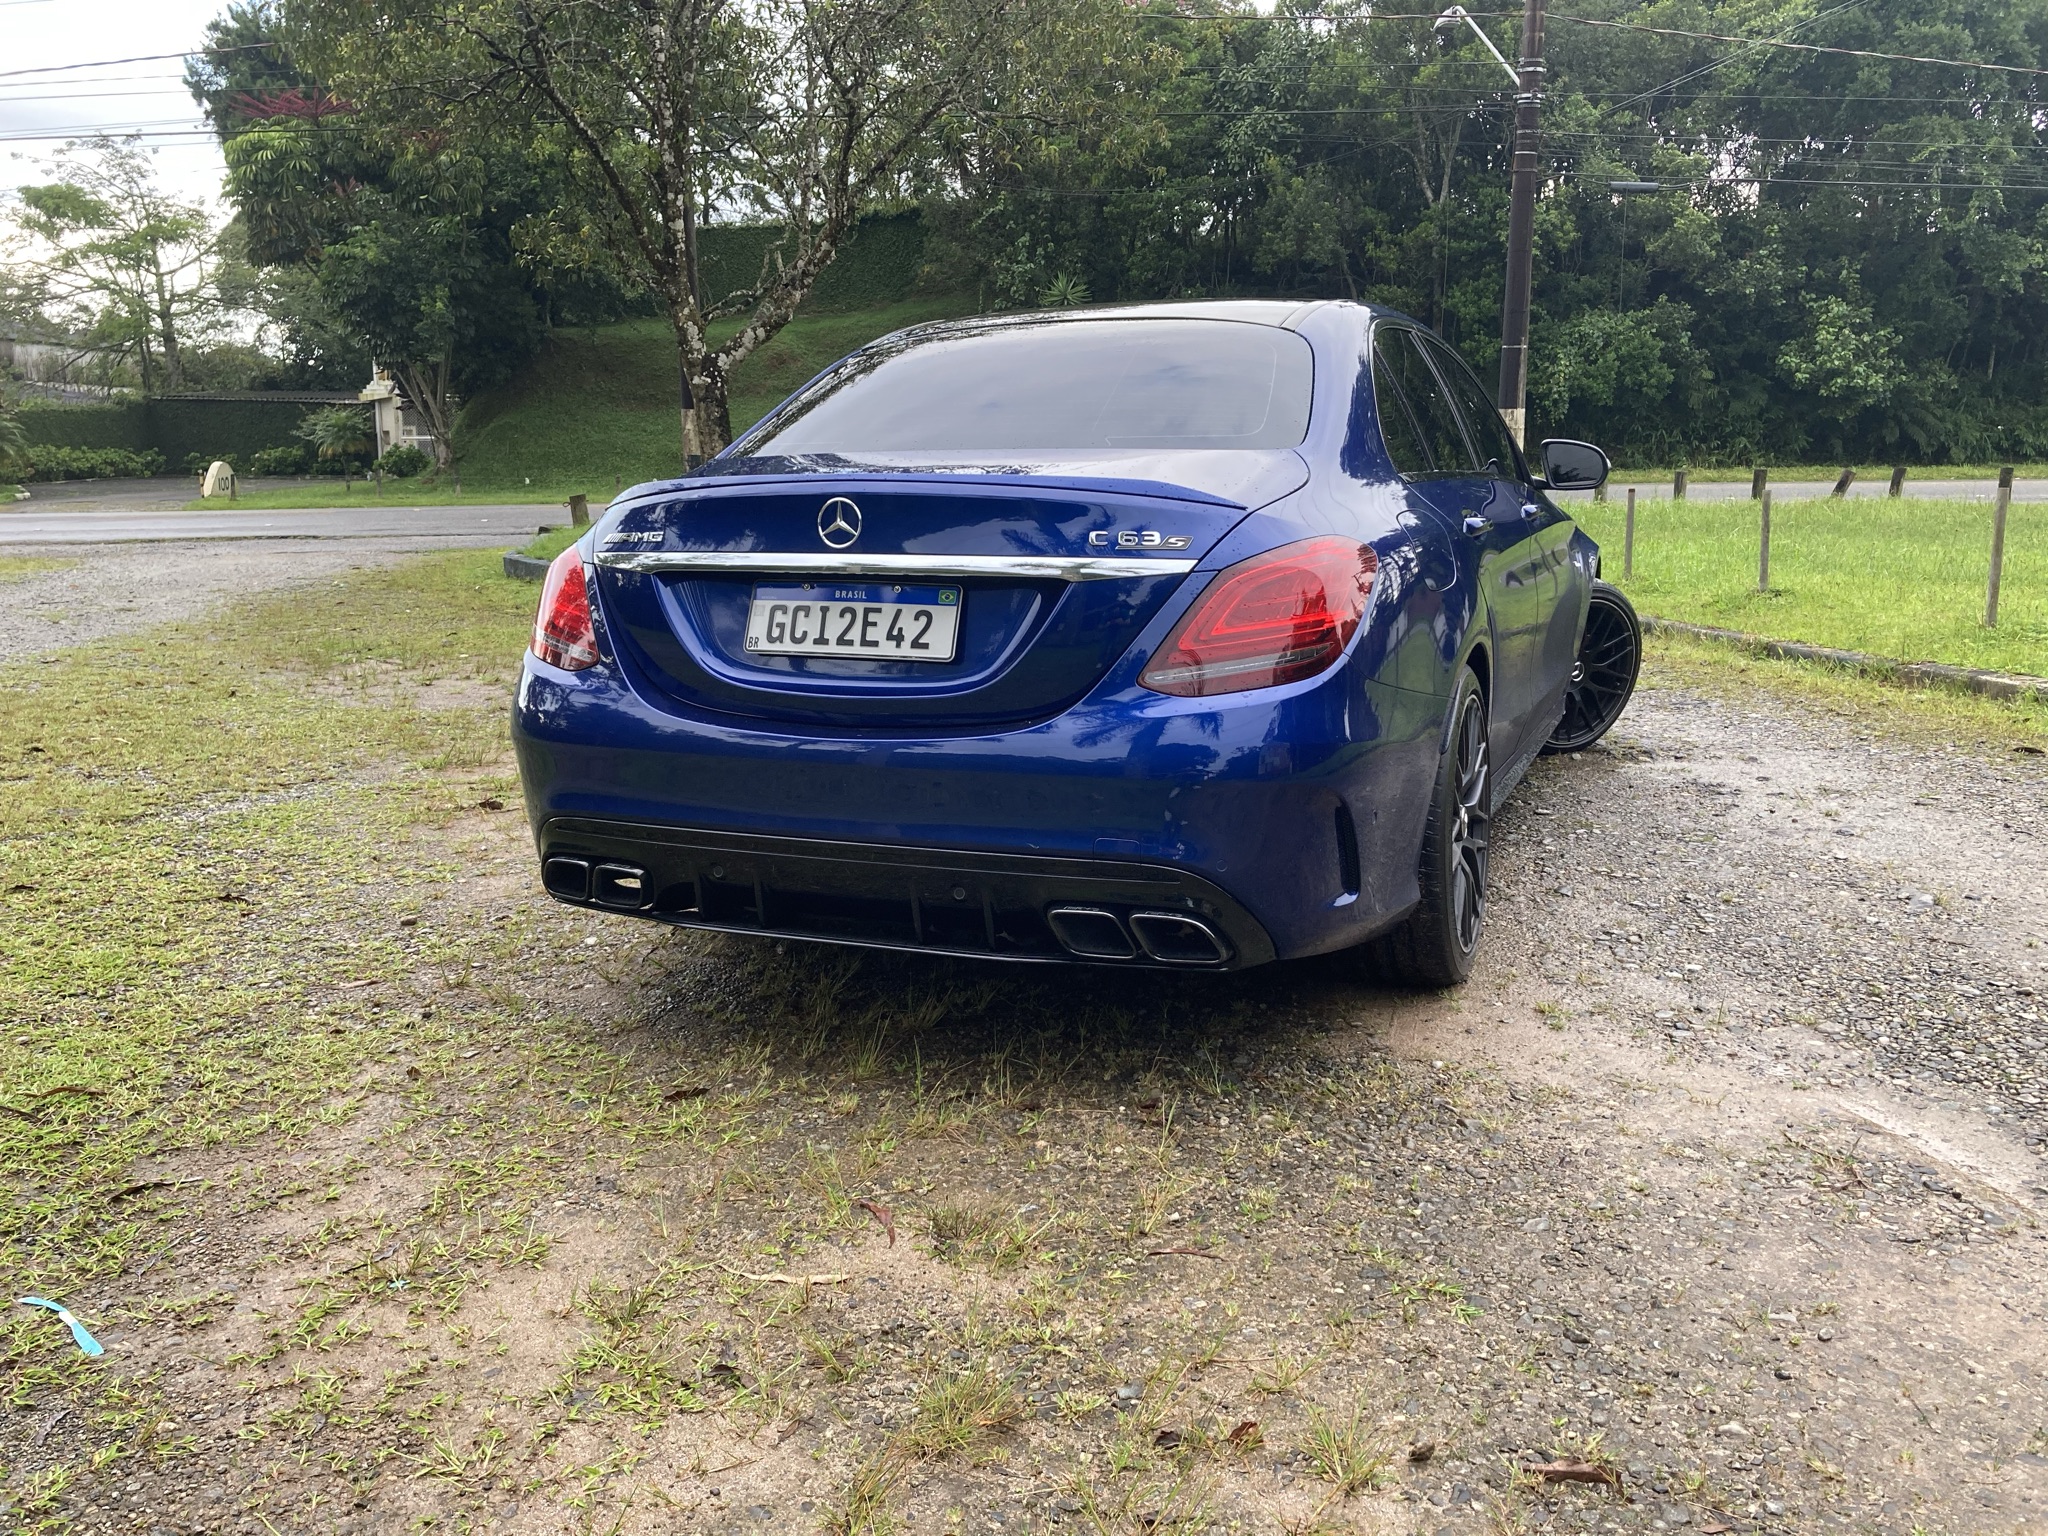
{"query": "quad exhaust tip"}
[(1171, 938), (621, 886)]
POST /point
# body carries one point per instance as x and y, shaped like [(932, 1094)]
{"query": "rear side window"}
[(1432, 413), (1073, 384), (1397, 419), (1482, 419)]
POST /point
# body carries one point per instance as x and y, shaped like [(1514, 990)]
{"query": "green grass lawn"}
[(1903, 579)]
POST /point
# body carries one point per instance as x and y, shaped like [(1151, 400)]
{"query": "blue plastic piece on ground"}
[(85, 1341)]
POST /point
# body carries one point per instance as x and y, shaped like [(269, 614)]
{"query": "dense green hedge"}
[(877, 267), (175, 429), (49, 462)]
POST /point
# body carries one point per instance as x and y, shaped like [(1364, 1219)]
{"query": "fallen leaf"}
[(1167, 1439), (1247, 1436), (777, 1277), (1421, 1451), (1715, 1528), (1193, 1253), (687, 1091), (883, 1214), (490, 803)]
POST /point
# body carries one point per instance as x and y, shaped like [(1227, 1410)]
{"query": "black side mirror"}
[(1570, 465)]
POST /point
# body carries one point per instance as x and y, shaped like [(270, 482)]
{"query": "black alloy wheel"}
[(1604, 676), (1435, 944), (1470, 826)]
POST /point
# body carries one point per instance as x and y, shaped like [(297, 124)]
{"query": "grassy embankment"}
[(597, 409)]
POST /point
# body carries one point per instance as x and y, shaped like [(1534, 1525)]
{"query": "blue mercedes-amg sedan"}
[(1188, 635)]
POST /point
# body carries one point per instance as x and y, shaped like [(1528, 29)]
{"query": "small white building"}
[(398, 424)]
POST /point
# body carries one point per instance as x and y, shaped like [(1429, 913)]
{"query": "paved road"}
[(437, 525)]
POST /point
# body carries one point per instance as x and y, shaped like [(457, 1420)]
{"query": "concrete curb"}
[(524, 567), (1933, 674)]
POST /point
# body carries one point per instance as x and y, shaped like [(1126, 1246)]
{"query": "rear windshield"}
[(1070, 384)]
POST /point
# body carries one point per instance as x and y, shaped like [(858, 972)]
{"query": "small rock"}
[(1783, 1373), (1536, 1224), (1774, 1506), (1421, 1451), (1675, 1514), (1826, 1335)]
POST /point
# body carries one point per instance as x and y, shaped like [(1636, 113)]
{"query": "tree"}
[(803, 112), (107, 256), (338, 432), (379, 239)]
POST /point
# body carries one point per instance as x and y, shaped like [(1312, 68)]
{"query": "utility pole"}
[(1514, 317)]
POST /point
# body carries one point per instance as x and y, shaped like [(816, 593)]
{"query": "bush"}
[(347, 464), (278, 461), (51, 463), (200, 463), (404, 461)]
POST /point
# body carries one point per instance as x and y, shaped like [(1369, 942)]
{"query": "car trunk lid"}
[(1054, 570)]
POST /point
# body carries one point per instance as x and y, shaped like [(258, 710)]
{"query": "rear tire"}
[(1604, 675), (1435, 944)]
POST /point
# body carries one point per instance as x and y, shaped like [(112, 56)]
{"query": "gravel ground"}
[(1721, 1182), (91, 592)]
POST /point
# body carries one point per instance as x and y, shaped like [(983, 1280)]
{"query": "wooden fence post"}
[(1998, 511), (1758, 479), (1898, 480), (1842, 485), (1628, 538), (1678, 485), (1763, 549)]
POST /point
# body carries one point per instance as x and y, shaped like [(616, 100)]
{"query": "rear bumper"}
[(940, 900), (1237, 810)]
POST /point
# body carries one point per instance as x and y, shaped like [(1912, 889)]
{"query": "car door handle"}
[(1476, 526)]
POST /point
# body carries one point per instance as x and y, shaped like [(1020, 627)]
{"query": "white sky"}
[(38, 112)]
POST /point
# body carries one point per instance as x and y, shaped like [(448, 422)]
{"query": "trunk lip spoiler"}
[(1159, 490), (834, 564)]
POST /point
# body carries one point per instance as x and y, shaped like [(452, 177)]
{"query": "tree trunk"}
[(167, 329), (701, 404), (425, 385)]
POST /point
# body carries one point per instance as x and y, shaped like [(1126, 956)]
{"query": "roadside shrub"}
[(404, 461), (46, 462), (200, 463), (289, 460)]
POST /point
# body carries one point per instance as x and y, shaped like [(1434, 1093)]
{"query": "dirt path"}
[(71, 594), (1723, 1180)]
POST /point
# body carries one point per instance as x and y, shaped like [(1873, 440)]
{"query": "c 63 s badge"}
[(1137, 538)]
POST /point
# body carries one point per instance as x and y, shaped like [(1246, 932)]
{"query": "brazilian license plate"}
[(882, 621)]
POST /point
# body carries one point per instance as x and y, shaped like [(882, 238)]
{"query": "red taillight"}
[(562, 632), (1275, 618)]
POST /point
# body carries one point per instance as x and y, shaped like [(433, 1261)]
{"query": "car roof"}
[(1285, 314)]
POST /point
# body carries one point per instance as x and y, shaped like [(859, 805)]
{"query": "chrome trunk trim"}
[(892, 567)]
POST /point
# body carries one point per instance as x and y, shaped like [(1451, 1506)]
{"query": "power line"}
[(139, 58), (1768, 42)]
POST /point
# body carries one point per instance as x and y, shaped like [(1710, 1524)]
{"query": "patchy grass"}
[(21, 567), (1902, 579), (1936, 716), (554, 541), (401, 1195), (323, 493)]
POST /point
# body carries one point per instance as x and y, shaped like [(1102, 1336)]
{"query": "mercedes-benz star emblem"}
[(838, 523)]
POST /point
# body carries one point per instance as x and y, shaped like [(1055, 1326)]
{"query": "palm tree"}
[(338, 432), (13, 436)]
